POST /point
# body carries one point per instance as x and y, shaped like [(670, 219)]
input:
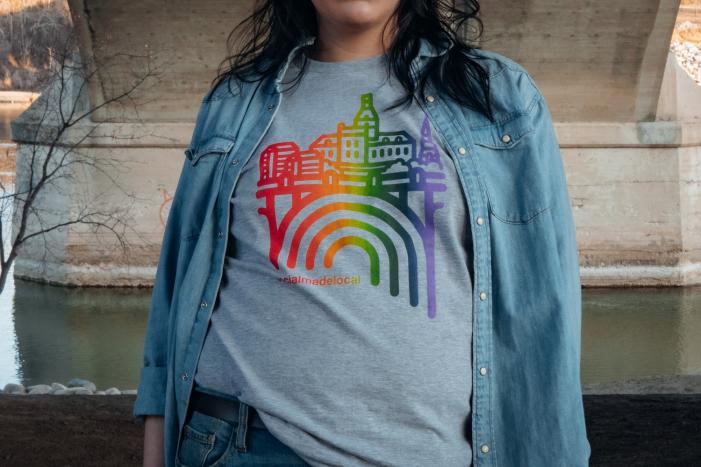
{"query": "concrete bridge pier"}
[(627, 117)]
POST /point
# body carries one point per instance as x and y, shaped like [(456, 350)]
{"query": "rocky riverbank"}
[(689, 58), (75, 386)]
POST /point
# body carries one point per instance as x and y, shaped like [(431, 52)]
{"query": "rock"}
[(39, 389), (689, 58), (75, 386), (84, 383), (12, 388), (57, 386)]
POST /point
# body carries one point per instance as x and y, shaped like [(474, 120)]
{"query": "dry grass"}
[(29, 29), (688, 27), (16, 6)]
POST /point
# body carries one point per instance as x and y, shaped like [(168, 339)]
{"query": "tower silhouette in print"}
[(357, 160)]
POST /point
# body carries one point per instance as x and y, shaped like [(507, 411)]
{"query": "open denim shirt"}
[(526, 397)]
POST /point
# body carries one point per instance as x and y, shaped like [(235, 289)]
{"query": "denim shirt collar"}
[(426, 49)]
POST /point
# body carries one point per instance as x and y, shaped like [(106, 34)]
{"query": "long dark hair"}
[(275, 26)]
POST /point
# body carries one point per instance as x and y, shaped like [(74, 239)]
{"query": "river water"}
[(50, 333)]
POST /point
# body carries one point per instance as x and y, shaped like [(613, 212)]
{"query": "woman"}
[(352, 276)]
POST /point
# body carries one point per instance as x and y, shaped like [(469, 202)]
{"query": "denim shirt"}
[(526, 396)]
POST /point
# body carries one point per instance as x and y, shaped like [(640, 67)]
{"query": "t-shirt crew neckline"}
[(345, 65)]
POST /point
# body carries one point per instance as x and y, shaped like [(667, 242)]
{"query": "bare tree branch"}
[(62, 126)]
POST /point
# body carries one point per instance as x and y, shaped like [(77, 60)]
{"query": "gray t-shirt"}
[(344, 314)]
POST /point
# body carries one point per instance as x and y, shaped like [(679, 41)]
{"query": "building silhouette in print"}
[(360, 154), (383, 167)]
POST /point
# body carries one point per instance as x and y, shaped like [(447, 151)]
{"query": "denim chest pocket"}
[(512, 168), (202, 174), (212, 150)]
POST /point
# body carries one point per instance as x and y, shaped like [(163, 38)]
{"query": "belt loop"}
[(242, 427)]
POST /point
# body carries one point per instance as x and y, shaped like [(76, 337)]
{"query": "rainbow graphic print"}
[(359, 162)]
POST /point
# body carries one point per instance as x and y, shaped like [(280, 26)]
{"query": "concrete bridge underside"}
[(627, 117)]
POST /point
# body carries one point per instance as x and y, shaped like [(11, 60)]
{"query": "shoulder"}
[(496, 63), (221, 109), (227, 88), (510, 83)]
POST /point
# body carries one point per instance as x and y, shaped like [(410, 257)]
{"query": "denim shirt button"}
[(483, 296), (184, 376), (480, 221), (506, 138), (484, 448), (234, 161), (203, 304), (430, 98), (483, 371), (462, 150)]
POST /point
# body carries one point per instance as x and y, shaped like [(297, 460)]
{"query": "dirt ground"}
[(76, 431), (71, 430)]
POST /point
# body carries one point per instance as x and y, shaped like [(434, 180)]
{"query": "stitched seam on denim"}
[(479, 257), (491, 346), (196, 435), (512, 143), (209, 451), (536, 99), (223, 459), (242, 427), (507, 118), (500, 70), (482, 256), (528, 220), (202, 149), (210, 97)]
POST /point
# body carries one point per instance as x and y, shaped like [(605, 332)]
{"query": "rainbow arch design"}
[(365, 175)]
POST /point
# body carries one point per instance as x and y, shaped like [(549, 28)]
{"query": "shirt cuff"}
[(151, 395)]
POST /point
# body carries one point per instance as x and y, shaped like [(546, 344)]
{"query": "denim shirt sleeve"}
[(151, 393), (561, 199), (560, 202), (566, 235)]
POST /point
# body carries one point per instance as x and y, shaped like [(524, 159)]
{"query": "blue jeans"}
[(208, 441)]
